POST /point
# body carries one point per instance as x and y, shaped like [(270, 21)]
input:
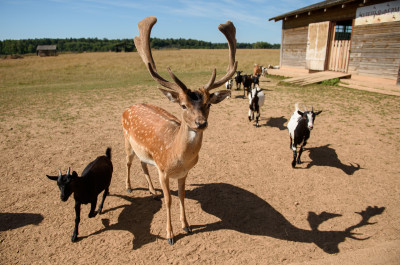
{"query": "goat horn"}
[(305, 108), (69, 169), (59, 173)]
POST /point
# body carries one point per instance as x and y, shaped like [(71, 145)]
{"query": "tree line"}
[(26, 46)]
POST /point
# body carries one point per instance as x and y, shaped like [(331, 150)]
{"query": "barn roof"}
[(314, 7), (46, 47)]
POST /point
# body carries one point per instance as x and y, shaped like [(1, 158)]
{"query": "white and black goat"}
[(256, 101), (300, 126), (96, 177)]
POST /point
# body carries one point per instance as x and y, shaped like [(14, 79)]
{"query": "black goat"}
[(96, 177), (300, 126), (256, 80), (238, 79), (247, 81)]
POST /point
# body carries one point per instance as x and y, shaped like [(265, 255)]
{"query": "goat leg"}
[(300, 152), (92, 212), (294, 158), (105, 193), (77, 220), (257, 117)]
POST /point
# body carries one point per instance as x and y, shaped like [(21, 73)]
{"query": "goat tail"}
[(108, 152)]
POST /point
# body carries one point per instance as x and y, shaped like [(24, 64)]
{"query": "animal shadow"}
[(277, 122), (243, 211), (136, 218), (326, 156), (11, 221)]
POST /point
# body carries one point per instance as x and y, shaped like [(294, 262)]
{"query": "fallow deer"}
[(157, 137)]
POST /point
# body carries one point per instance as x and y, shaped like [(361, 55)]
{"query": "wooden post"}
[(398, 76)]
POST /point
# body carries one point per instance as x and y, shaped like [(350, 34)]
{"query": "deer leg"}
[(147, 175), (181, 194), (105, 193), (129, 157), (164, 180), (77, 220)]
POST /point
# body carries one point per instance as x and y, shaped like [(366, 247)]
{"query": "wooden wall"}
[(375, 50), (294, 47)]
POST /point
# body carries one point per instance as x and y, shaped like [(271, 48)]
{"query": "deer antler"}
[(229, 30), (142, 43), (366, 215)]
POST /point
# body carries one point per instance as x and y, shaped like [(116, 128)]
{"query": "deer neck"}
[(188, 142)]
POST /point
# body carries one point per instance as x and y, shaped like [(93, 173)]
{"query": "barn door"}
[(317, 45), (340, 47)]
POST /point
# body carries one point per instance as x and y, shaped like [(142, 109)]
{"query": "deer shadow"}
[(245, 212), (327, 156), (136, 218), (277, 122), (11, 221)]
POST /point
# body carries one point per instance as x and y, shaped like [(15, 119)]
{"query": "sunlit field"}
[(244, 202)]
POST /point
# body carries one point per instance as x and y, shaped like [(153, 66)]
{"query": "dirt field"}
[(245, 203)]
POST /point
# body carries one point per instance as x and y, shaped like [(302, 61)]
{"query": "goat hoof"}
[(91, 215), (129, 190), (170, 241), (74, 238), (294, 164), (188, 230)]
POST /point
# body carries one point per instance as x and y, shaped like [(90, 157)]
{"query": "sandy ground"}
[(245, 203)]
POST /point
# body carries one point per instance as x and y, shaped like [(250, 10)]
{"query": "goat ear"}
[(171, 95), (74, 175), (52, 177), (219, 96), (318, 112), (300, 113)]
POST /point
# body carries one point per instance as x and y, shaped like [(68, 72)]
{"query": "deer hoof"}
[(188, 230), (129, 190), (170, 241)]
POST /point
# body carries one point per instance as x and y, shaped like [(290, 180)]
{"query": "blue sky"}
[(117, 19)]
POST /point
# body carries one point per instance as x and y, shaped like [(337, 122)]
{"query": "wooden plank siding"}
[(294, 47), (375, 50)]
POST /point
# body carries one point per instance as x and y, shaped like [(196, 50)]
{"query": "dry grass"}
[(63, 111)]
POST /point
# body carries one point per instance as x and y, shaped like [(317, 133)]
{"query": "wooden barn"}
[(352, 36), (46, 50)]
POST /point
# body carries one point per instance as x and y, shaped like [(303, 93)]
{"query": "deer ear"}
[(171, 95), (219, 96)]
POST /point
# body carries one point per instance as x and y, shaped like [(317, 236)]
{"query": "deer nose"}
[(201, 123)]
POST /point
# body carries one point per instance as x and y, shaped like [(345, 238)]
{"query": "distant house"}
[(46, 50), (351, 36)]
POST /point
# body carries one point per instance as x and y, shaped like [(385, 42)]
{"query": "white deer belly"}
[(142, 153)]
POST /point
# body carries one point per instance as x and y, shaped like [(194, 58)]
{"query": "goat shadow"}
[(277, 122), (11, 221), (245, 212), (327, 156), (136, 218)]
